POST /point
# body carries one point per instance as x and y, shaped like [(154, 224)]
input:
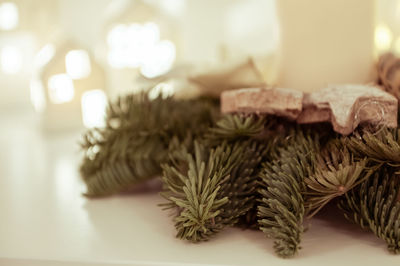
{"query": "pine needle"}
[(381, 147), (281, 210), (375, 206), (136, 140), (336, 172), (211, 189), (237, 127)]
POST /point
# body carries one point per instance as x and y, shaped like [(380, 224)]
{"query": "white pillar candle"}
[(325, 42), (203, 31)]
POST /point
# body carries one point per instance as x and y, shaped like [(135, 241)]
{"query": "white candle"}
[(325, 42)]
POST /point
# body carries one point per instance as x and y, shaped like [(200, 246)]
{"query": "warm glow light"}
[(37, 95), (94, 103), (8, 16), (115, 36), (383, 38), (61, 88), (139, 46), (163, 89), (10, 60), (45, 55), (149, 33), (159, 59), (77, 64)]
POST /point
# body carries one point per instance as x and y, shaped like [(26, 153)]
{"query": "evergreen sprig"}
[(336, 172), (281, 209), (240, 127), (212, 171), (211, 188), (237, 127), (381, 147), (136, 140), (375, 205)]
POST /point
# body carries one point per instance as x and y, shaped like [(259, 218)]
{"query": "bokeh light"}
[(11, 60), (61, 88), (383, 38), (139, 46), (9, 16), (94, 103), (77, 64)]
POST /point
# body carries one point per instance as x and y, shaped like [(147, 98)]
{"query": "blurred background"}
[(62, 60)]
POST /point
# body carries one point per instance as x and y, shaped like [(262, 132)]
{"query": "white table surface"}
[(44, 220)]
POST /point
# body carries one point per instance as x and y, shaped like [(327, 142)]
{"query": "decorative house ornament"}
[(140, 40), (67, 87), (23, 23)]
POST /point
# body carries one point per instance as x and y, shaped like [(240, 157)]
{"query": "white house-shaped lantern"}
[(68, 87), (139, 40)]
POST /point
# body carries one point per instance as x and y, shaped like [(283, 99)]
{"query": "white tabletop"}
[(44, 220)]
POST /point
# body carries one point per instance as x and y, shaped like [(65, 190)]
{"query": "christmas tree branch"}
[(281, 209), (211, 189), (136, 140), (381, 147), (336, 172), (375, 205)]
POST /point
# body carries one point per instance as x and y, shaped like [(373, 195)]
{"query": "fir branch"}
[(136, 140), (120, 160), (375, 205), (240, 127), (281, 210), (211, 189), (336, 172), (381, 147), (237, 127)]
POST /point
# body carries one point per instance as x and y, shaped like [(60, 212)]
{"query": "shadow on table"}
[(327, 232)]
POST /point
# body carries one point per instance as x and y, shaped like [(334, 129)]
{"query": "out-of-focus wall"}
[(206, 31)]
